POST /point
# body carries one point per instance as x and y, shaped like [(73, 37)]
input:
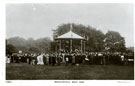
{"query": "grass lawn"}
[(23, 71)]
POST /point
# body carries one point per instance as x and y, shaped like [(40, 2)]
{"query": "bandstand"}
[(68, 38)]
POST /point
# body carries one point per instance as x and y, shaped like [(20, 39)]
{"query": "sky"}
[(38, 20)]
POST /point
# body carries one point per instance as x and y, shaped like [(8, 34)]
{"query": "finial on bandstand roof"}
[(71, 27)]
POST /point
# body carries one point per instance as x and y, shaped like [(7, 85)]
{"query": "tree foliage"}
[(114, 41), (41, 45), (96, 40), (10, 49)]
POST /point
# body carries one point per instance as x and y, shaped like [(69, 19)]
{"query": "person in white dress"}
[(40, 60), (8, 59)]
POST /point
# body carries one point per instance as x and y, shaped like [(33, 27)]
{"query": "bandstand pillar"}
[(84, 46), (81, 45), (60, 45), (71, 45), (56, 46)]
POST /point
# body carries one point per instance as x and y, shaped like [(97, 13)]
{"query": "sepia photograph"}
[(69, 41)]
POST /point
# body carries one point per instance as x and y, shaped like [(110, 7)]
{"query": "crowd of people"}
[(91, 58)]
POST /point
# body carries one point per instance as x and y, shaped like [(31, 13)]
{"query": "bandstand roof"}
[(70, 35)]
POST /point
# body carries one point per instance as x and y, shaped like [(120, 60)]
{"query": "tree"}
[(114, 41), (43, 44), (10, 49), (34, 50)]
